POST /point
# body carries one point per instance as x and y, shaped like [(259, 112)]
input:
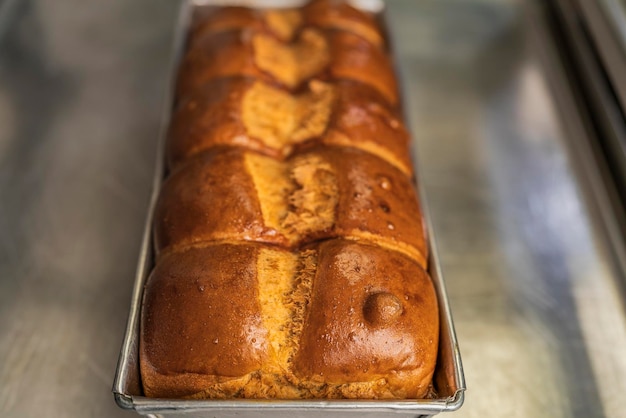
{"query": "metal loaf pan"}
[(448, 380)]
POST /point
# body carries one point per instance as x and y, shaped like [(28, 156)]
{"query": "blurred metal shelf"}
[(588, 58)]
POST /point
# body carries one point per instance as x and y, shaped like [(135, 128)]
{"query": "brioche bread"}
[(290, 255)]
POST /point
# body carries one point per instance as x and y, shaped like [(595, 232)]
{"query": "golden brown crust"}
[(362, 119), (230, 194), (356, 59), (338, 14), (212, 198), (210, 117), (290, 253), (358, 283), (344, 113), (328, 54), (223, 54), (282, 24), (251, 321), (201, 320), (377, 203)]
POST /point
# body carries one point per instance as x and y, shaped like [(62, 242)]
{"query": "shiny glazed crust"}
[(344, 113), (231, 194), (337, 320), (325, 54), (290, 256)]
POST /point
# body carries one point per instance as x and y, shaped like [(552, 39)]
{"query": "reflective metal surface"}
[(537, 302), (80, 96)]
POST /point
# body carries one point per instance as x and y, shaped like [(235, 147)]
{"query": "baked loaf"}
[(291, 258), (313, 52)]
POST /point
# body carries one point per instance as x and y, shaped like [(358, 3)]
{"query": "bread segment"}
[(257, 116), (284, 24), (290, 255), (209, 21), (389, 321), (291, 64), (213, 198), (244, 196), (314, 53), (253, 321), (249, 114)]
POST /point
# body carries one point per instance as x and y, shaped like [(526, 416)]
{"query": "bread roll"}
[(325, 54), (255, 115), (254, 321), (285, 23)]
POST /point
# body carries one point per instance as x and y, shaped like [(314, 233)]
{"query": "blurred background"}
[(517, 112)]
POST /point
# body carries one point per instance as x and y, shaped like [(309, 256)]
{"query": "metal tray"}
[(448, 379)]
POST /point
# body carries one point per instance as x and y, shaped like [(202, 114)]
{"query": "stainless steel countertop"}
[(536, 298)]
